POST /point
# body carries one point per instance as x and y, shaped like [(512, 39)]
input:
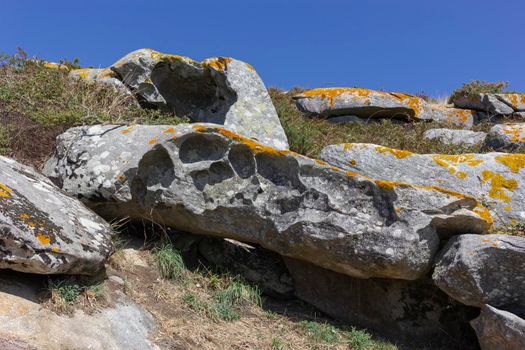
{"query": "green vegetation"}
[(170, 262), (65, 292), (308, 136), (477, 87), (40, 103)]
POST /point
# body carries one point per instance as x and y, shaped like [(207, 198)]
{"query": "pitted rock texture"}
[(415, 312), (217, 90), (499, 330), (204, 179), (492, 104), (478, 270), (42, 230), (495, 179), (456, 137), (365, 103), (506, 136)]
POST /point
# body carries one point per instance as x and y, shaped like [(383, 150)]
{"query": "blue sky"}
[(404, 45)]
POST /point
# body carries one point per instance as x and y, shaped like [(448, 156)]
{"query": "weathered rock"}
[(217, 90), (28, 325), (496, 179), (456, 137), (203, 179), (493, 104), (506, 136), (478, 270), (346, 119), (499, 330), (103, 76), (405, 311), (256, 264), (42, 230), (365, 103)]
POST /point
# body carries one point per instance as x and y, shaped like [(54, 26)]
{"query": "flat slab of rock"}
[(217, 90), (496, 179), (456, 137), (204, 179), (499, 330), (365, 103), (478, 270), (42, 230), (493, 104), (414, 312), (506, 136)]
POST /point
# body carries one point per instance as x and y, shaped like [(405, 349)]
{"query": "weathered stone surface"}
[(100, 76), (42, 230), (28, 325), (217, 90), (506, 136), (203, 179), (405, 311), (365, 103), (478, 270), (499, 330), (456, 137), (496, 179), (493, 104)]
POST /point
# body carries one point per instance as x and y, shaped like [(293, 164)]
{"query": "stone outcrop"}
[(479, 270), (499, 330), (45, 231), (204, 179), (456, 137), (492, 104), (494, 178), (506, 136), (103, 76), (365, 103), (217, 90), (406, 311)]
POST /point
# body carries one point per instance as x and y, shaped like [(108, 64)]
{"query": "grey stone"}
[(217, 90), (493, 104), (495, 179), (456, 137), (103, 76), (499, 330), (414, 312), (506, 136), (204, 179), (45, 231), (478, 270)]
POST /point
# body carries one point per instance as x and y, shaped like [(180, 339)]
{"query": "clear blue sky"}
[(404, 45)]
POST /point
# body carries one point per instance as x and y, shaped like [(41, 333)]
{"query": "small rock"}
[(499, 330), (506, 136), (456, 137), (493, 104)]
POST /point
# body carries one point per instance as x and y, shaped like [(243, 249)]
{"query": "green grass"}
[(66, 291), (170, 262), (477, 87)]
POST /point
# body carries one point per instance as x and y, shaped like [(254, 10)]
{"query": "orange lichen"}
[(24, 216), (514, 131), (55, 249), (396, 152), (250, 67), (499, 185), (121, 178), (508, 208), (170, 130), (448, 160), (352, 162), (43, 239), (5, 192), (483, 213), (513, 161), (494, 244), (31, 224), (398, 210), (218, 63), (152, 141), (128, 130)]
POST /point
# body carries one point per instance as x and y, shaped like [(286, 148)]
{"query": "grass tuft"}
[(170, 262)]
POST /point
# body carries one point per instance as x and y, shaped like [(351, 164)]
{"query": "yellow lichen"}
[(461, 174), (499, 185), (515, 162), (24, 216), (396, 152), (43, 239), (446, 160), (5, 192), (152, 141), (483, 213), (352, 162), (170, 130)]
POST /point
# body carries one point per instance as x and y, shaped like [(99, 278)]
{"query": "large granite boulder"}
[(42, 230), (414, 312), (494, 178), (479, 270), (204, 179), (217, 90), (456, 137), (493, 104), (365, 103), (506, 136), (499, 330)]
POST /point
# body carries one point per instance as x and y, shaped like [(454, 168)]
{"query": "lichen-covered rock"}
[(478, 270), (415, 312), (493, 104), (456, 137), (103, 76), (42, 230), (204, 179), (496, 179), (217, 90), (365, 103), (499, 330), (506, 136)]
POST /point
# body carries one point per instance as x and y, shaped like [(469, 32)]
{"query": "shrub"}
[(477, 87)]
